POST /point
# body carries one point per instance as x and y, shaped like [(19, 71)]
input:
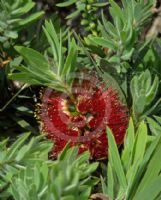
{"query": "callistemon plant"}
[(82, 117), (76, 108)]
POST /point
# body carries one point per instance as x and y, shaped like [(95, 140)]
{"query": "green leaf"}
[(66, 3), (151, 191), (33, 58), (154, 126), (109, 27), (158, 119), (61, 64), (35, 76), (110, 183), (150, 95), (143, 93), (103, 42), (90, 169), (116, 9), (30, 19), (138, 152), (111, 82), (140, 145), (71, 155), (69, 197), (104, 186), (11, 34), (83, 158), (143, 166), (16, 145), (152, 171), (73, 14), (100, 4), (127, 55), (24, 78), (70, 60), (128, 146), (23, 10), (116, 161), (63, 153), (53, 40)]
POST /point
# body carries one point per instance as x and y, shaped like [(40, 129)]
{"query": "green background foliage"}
[(44, 44)]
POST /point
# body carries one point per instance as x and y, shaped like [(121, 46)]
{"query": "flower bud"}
[(84, 22), (92, 25), (89, 7)]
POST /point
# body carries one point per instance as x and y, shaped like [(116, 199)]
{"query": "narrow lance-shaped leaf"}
[(16, 145), (143, 166), (33, 58), (116, 161), (128, 146), (70, 60), (100, 4), (116, 9), (22, 10), (30, 19), (73, 14), (151, 191), (152, 171), (140, 145), (103, 42), (61, 61), (66, 3), (150, 95), (110, 183), (53, 40)]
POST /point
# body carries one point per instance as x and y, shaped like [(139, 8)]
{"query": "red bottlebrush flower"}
[(82, 119)]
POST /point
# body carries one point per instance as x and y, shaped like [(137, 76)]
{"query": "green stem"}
[(10, 101)]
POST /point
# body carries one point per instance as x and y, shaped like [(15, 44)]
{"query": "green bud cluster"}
[(89, 16)]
